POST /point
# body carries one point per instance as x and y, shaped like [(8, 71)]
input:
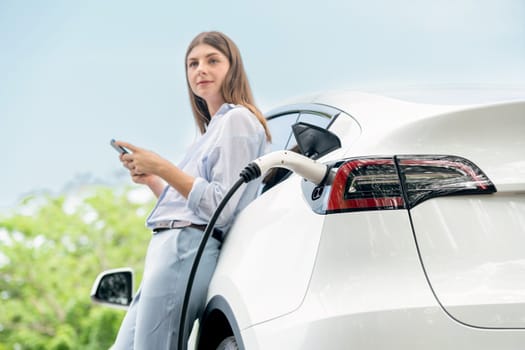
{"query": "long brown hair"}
[(235, 88)]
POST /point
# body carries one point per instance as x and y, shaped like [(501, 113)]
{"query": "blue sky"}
[(73, 75)]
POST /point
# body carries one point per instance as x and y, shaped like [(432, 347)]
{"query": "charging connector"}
[(304, 166)]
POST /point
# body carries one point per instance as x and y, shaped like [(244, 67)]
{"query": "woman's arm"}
[(239, 139), (156, 184), (176, 178)]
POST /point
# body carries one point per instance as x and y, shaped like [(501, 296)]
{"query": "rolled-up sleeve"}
[(196, 193)]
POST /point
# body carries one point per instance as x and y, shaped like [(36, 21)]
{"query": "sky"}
[(75, 74)]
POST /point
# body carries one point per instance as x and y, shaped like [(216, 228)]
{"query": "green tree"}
[(51, 250)]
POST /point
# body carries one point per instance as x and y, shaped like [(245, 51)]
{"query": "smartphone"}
[(119, 149)]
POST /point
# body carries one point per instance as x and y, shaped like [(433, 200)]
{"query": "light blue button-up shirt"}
[(233, 139)]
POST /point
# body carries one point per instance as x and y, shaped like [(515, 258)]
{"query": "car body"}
[(415, 240)]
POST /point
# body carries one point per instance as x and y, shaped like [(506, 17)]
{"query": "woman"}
[(234, 133)]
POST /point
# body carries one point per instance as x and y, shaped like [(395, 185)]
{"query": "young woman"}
[(233, 133)]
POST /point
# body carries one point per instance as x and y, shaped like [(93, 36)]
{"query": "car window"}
[(281, 129), (321, 120)]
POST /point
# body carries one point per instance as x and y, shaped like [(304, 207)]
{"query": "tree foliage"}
[(51, 250)]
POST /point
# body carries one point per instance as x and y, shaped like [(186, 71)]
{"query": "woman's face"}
[(207, 68)]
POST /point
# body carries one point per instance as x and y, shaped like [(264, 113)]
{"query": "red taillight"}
[(389, 183), (365, 184)]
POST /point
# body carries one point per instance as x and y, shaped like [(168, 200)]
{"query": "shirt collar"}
[(224, 109)]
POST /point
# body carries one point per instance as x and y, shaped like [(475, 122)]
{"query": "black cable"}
[(249, 173)]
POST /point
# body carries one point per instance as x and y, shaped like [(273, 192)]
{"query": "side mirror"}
[(314, 141), (114, 288)]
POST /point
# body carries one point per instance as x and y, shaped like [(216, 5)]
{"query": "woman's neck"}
[(213, 106)]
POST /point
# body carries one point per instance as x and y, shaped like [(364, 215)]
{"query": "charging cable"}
[(304, 166)]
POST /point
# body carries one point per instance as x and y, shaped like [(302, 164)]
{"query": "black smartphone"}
[(118, 148)]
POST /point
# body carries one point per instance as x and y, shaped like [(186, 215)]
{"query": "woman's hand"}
[(149, 168), (141, 161), (143, 166)]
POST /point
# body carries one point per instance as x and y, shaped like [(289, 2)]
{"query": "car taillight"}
[(366, 184), (402, 182), (435, 176)]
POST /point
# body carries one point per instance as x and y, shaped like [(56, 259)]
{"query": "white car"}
[(416, 239)]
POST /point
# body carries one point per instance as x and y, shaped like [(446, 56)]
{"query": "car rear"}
[(415, 243)]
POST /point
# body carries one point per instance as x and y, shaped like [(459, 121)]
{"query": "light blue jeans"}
[(153, 318)]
